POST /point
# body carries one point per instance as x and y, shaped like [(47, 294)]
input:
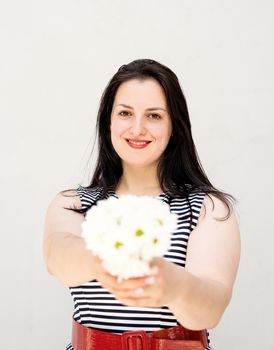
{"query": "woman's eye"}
[(154, 116), (124, 113), (150, 116)]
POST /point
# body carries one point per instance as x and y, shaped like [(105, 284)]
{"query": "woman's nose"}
[(138, 127)]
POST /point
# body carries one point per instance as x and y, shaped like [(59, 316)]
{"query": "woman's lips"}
[(139, 144)]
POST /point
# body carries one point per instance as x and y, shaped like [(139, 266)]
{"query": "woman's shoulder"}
[(78, 197), (82, 190), (88, 195), (216, 208), (205, 203), (89, 190)]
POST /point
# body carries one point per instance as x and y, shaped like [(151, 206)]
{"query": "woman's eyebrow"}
[(148, 109)]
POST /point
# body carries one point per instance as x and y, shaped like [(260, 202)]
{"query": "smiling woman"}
[(139, 127), (146, 148)]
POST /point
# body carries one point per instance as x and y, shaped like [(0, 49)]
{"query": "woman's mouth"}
[(137, 144)]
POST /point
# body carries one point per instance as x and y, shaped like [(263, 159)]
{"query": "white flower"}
[(126, 233)]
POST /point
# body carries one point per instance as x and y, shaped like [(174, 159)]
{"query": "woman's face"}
[(140, 124)]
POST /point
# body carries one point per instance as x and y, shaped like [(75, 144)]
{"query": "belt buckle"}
[(126, 336)]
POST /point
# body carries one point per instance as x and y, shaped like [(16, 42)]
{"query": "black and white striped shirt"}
[(96, 307)]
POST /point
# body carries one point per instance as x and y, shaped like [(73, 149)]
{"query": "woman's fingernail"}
[(119, 279), (150, 280), (139, 291)]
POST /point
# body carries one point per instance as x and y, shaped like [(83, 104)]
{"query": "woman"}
[(146, 148)]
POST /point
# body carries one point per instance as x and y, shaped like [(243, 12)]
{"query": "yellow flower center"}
[(139, 233), (118, 244)]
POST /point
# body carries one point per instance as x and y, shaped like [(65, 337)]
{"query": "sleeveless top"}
[(96, 307)]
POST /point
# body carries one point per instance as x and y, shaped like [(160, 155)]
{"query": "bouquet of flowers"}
[(127, 233)]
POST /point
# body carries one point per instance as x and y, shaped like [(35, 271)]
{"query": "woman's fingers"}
[(133, 283), (151, 292), (129, 284), (140, 291), (126, 287)]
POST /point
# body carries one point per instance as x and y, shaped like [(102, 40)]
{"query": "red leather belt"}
[(175, 338)]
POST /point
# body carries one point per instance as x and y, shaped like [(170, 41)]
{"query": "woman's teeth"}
[(139, 143)]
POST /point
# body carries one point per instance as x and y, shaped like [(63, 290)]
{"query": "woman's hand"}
[(148, 291)]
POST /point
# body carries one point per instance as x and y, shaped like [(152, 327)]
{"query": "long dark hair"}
[(179, 170)]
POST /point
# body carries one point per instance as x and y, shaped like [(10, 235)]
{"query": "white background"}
[(56, 58)]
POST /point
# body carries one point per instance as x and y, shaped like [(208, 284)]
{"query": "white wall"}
[(56, 58)]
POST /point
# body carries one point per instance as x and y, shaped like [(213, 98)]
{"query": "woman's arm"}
[(212, 261), (64, 250)]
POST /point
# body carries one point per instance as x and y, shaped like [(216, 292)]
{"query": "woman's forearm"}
[(200, 302), (67, 259)]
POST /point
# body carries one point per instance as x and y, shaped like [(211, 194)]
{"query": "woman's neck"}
[(139, 181)]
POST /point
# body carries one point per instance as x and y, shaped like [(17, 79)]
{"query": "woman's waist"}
[(176, 337)]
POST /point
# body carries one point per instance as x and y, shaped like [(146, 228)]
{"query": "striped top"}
[(96, 307)]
